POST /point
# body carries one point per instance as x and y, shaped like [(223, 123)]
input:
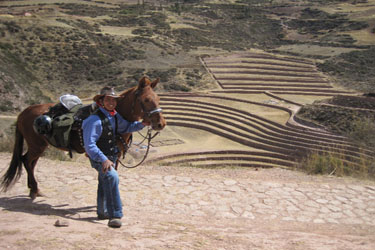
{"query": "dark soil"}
[(361, 102), (354, 69), (352, 116)]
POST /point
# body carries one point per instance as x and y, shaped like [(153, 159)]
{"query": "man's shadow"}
[(24, 204)]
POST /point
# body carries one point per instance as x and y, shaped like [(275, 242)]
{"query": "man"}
[(99, 136)]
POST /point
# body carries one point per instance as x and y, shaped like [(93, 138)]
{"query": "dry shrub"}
[(6, 144), (56, 154), (335, 163), (363, 132)]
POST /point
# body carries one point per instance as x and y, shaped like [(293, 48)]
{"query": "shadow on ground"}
[(23, 204)]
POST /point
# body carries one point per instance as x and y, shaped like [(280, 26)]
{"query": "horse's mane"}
[(128, 99), (128, 91)]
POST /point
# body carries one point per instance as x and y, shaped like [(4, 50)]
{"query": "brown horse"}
[(134, 104)]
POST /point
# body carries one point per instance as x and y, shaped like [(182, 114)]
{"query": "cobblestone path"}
[(188, 208), (229, 198)]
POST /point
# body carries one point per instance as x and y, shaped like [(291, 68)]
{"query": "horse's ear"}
[(142, 82), (155, 82)]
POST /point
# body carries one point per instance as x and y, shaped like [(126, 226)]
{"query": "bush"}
[(6, 143), (56, 154), (342, 120), (363, 133), (142, 32), (191, 83), (6, 46), (6, 105), (353, 69), (176, 87)]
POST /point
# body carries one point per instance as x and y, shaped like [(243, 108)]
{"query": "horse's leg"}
[(36, 144), (30, 159)]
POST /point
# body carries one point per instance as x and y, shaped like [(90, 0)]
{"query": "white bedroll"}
[(70, 101)]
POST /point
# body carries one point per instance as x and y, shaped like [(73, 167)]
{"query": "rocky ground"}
[(189, 208)]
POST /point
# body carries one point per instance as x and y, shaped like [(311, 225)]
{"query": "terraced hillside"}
[(249, 119), (258, 72)]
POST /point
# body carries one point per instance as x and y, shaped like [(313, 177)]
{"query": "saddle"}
[(67, 116)]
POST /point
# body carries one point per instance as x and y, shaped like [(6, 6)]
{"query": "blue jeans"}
[(108, 196)]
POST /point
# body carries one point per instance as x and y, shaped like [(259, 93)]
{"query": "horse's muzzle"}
[(160, 125)]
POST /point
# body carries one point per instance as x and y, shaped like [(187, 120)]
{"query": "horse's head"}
[(149, 102)]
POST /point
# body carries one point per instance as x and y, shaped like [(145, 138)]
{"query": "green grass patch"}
[(331, 163), (358, 127)]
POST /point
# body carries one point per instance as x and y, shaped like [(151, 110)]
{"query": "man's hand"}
[(106, 166), (146, 123)]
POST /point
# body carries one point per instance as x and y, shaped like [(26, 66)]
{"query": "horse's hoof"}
[(34, 194)]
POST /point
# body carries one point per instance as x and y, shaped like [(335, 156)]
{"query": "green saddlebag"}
[(61, 127)]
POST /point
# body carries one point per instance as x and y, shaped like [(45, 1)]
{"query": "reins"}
[(145, 137), (149, 137)]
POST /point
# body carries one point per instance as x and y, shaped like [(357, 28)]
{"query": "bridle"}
[(146, 113), (149, 135), (154, 111)]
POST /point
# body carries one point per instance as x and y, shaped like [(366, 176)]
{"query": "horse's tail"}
[(15, 169)]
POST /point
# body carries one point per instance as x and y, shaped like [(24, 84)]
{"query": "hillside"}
[(253, 83), (49, 48)]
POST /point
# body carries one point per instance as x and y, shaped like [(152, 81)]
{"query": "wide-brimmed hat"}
[(106, 91)]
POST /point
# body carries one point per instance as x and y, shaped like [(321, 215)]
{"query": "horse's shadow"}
[(24, 204)]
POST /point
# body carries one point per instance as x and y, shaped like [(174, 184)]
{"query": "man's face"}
[(109, 103)]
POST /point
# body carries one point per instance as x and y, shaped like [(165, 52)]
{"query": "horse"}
[(138, 102)]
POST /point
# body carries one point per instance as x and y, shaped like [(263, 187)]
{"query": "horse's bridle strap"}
[(157, 110), (148, 113)]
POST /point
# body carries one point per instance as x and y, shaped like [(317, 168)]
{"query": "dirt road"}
[(189, 208)]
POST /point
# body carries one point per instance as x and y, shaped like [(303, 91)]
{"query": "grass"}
[(6, 145), (353, 67), (333, 162), (330, 163), (357, 124), (56, 154), (7, 128), (363, 133)]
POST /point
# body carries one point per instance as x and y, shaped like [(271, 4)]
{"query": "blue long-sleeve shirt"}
[(92, 130)]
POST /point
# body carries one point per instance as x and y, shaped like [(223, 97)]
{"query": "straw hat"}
[(106, 91)]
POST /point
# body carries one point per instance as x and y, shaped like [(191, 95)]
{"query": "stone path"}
[(229, 198), (189, 208)]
